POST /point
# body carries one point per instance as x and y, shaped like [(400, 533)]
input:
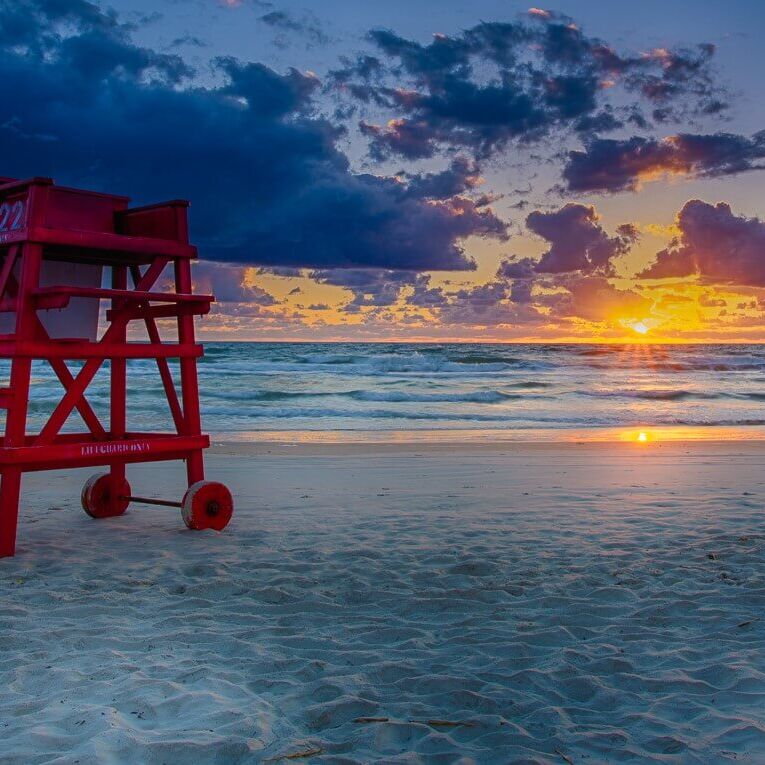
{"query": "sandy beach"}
[(416, 603)]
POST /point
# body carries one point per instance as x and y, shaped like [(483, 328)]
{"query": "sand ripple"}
[(483, 609)]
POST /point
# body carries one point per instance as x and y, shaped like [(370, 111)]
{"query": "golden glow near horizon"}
[(624, 310), (639, 436)]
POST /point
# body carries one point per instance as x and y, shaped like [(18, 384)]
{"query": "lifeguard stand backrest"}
[(74, 209), (167, 220)]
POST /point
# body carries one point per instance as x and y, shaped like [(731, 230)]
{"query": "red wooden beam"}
[(90, 240), (152, 446), (94, 351), (59, 297), (7, 271), (162, 365), (163, 311)]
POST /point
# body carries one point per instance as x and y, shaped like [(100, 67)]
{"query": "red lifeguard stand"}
[(55, 242)]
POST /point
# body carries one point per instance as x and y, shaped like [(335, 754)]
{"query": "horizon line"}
[(638, 343)]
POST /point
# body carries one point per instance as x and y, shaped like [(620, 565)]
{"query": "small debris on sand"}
[(446, 723), (300, 755)]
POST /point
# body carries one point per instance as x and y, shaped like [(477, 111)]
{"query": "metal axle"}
[(150, 501)]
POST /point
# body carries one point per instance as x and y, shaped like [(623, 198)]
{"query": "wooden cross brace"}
[(75, 386)]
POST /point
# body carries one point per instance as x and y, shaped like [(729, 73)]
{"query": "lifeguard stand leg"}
[(16, 419), (118, 398), (195, 470), (10, 488)]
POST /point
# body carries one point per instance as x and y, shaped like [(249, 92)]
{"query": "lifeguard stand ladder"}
[(55, 243)]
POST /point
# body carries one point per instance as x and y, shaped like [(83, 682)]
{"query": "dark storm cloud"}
[(27, 23), (523, 268), (602, 122), (270, 94), (462, 175), (484, 305), (229, 284), (565, 298), (577, 240), (370, 287), (412, 140), (498, 82), (307, 26), (80, 101), (714, 244), (378, 289), (619, 165), (522, 275), (681, 71), (190, 40)]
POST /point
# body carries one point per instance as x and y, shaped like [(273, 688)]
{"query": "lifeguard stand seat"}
[(55, 244)]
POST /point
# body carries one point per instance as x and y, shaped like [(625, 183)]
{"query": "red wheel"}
[(96, 497), (207, 505)]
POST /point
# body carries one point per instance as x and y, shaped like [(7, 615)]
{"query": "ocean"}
[(359, 390)]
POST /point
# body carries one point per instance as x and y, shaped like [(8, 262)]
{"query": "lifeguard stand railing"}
[(57, 244)]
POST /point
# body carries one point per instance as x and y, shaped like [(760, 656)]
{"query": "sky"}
[(589, 171)]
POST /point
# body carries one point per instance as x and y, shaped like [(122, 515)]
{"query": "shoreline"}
[(351, 442), (601, 450)]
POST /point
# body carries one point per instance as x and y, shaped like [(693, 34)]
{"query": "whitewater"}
[(516, 390)]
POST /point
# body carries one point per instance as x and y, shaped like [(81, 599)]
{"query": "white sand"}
[(593, 604)]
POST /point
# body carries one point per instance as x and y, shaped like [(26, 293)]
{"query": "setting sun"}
[(639, 436), (640, 327)]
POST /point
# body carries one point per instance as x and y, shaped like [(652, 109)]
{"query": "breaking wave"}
[(273, 386)]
